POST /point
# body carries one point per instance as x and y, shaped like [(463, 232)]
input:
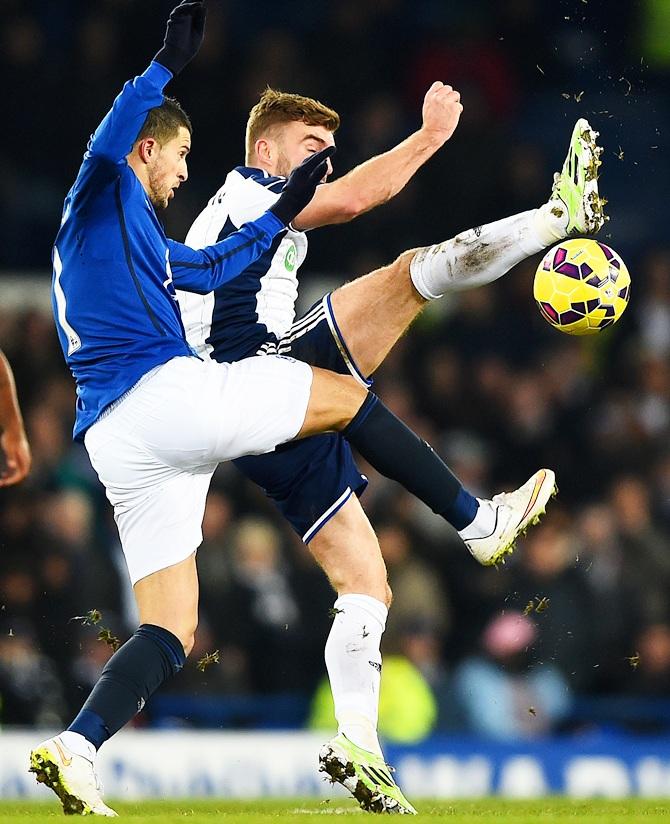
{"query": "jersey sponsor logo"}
[(290, 258), (375, 665)]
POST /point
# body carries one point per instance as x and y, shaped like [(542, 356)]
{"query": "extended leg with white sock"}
[(353, 661), (485, 253)]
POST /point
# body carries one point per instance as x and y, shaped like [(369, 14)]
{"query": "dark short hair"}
[(163, 122)]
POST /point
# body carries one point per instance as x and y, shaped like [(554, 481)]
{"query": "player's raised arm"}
[(203, 270), (382, 177), (114, 137)]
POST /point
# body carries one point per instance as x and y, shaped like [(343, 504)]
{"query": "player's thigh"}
[(158, 508), (194, 413), (374, 311), (347, 549), (168, 598)]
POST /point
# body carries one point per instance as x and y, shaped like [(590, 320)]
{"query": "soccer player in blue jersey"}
[(14, 449), (315, 482), (156, 419)]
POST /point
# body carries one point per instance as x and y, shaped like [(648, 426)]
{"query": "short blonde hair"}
[(275, 108)]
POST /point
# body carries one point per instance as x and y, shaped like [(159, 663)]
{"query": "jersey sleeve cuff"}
[(271, 223), (158, 74)]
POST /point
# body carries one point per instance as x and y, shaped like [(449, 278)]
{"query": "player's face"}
[(298, 140), (167, 169)]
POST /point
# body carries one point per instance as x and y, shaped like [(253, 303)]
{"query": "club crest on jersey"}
[(290, 258)]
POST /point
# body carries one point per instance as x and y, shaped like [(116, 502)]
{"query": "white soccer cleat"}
[(514, 513), (72, 777)]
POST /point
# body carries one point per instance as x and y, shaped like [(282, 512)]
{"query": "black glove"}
[(183, 36), (301, 185)]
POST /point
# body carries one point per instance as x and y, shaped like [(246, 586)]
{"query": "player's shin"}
[(398, 453), (150, 657), (485, 253), (354, 667)]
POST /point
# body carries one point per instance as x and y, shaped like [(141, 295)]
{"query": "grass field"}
[(454, 812)]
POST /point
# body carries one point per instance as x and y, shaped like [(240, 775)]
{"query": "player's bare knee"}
[(188, 644), (352, 396), (187, 637), (185, 632)]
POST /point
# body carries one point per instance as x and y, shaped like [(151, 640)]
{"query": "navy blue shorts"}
[(309, 480)]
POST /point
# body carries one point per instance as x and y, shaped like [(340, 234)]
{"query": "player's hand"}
[(17, 457), (441, 111), (183, 35), (301, 185)]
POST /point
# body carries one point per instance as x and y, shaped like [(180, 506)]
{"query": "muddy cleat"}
[(513, 513), (365, 775), (576, 186), (72, 777)]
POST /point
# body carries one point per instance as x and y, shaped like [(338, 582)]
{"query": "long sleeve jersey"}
[(115, 271)]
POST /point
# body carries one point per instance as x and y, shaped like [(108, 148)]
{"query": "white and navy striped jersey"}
[(238, 318)]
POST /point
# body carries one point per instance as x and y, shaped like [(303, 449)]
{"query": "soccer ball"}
[(581, 286)]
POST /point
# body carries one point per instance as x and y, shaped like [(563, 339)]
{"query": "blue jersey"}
[(256, 309), (113, 267)]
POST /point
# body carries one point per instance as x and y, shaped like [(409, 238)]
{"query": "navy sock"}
[(398, 453), (130, 677)]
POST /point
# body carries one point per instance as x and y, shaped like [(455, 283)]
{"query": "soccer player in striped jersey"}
[(315, 482), (14, 449)]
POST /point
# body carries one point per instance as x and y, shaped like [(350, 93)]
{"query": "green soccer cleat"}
[(576, 187), (365, 775)]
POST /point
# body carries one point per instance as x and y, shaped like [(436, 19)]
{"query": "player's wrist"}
[(286, 208), (431, 137)]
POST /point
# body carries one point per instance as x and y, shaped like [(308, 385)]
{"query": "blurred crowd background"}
[(574, 632)]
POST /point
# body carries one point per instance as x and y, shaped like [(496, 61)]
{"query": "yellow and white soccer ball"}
[(581, 286)]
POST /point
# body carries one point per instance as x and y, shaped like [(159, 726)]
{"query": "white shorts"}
[(156, 449)]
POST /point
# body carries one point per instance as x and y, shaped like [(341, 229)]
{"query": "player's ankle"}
[(551, 222), (360, 731), (421, 274)]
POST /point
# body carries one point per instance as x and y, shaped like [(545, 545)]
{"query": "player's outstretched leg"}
[(365, 774), (485, 253), (399, 454), (500, 521), (71, 776)]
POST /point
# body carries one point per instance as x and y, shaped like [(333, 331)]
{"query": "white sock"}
[(354, 662), (485, 253), (483, 524), (76, 743)]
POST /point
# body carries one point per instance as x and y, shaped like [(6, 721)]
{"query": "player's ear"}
[(264, 150), (147, 149)]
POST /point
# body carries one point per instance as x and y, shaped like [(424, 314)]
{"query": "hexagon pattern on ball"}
[(581, 286)]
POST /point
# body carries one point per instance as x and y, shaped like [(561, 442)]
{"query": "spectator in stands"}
[(501, 695)]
